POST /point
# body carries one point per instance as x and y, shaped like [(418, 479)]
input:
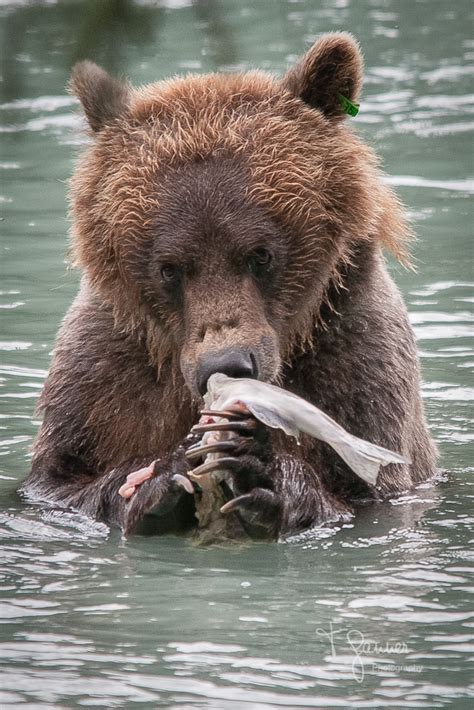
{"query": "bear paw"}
[(240, 447)]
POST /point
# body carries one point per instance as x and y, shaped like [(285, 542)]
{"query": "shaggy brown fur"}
[(186, 185)]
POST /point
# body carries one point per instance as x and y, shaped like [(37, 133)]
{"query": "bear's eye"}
[(259, 260), (169, 273)]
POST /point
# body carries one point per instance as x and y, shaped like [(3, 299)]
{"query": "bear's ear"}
[(331, 69), (103, 98)]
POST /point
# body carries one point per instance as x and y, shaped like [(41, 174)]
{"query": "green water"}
[(91, 620)]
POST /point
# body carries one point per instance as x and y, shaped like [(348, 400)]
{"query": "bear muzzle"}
[(235, 356), (234, 362)]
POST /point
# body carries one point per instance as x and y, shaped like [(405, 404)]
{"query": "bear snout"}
[(234, 362), (236, 353)]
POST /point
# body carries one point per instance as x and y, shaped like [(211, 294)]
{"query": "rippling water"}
[(373, 613)]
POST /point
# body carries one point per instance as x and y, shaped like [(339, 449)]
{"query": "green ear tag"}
[(349, 107)]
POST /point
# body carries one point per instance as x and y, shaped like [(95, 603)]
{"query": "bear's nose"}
[(232, 362)]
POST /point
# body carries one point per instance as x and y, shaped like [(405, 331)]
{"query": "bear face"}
[(213, 213)]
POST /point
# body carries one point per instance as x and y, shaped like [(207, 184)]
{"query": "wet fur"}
[(183, 169)]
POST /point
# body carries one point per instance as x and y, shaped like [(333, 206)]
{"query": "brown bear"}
[(229, 223)]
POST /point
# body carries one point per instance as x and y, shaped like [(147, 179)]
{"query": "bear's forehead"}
[(203, 94), (201, 161), (248, 118), (269, 146), (192, 117)]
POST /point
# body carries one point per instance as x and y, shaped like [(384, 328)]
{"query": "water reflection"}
[(101, 31), (93, 30)]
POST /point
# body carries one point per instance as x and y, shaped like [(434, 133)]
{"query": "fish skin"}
[(284, 410)]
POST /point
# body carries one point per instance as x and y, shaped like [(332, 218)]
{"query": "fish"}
[(279, 409), (213, 490), (228, 403)]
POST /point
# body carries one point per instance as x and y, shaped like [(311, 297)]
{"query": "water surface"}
[(374, 613)]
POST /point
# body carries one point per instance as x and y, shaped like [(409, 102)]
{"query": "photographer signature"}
[(360, 647)]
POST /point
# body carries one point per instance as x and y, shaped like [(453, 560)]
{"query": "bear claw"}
[(183, 482), (197, 452), (224, 463), (246, 425), (260, 502), (225, 413)]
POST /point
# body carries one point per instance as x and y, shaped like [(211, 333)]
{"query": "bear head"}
[(212, 213)]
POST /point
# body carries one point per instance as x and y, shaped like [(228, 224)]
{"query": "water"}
[(374, 613)]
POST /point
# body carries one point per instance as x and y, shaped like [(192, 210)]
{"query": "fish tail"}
[(365, 459)]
